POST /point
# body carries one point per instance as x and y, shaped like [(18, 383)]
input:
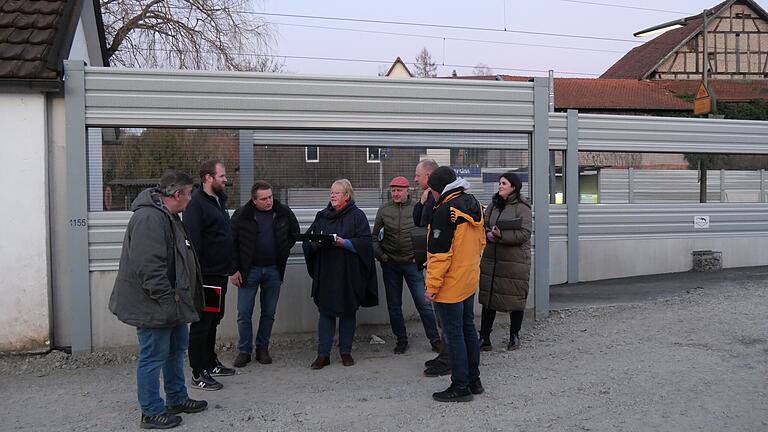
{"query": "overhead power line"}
[(449, 38), (359, 60), (445, 26), (626, 7)]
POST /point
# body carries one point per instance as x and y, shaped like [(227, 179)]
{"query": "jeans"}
[(393, 274), (461, 336), (202, 334), (326, 327), (161, 348), (269, 280)]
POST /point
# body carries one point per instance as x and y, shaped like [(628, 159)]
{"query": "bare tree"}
[(187, 34), (482, 69), (425, 66)]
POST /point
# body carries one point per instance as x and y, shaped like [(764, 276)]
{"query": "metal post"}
[(76, 225), (246, 166), (762, 186), (722, 184), (631, 185), (540, 197), (705, 69), (572, 196)]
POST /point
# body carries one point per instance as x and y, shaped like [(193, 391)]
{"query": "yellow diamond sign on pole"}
[(702, 103)]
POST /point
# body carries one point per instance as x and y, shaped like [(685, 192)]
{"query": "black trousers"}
[(202, 334), (489, 315)]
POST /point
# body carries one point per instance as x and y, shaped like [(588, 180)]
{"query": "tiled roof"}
[(725, 90), (639, 62), (31, 36), (600, 93)]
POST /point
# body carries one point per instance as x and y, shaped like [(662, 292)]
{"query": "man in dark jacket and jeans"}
[(393, 247), (422, 214), (158, 290), (207, 221), (263, 232)]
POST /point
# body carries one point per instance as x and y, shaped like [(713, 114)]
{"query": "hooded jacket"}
[(159, 281), (454, 244), (506, 265)]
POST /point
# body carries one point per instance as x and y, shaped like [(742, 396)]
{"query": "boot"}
[(262, 355)]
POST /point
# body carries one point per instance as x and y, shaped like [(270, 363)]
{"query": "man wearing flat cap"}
[(393, 247)]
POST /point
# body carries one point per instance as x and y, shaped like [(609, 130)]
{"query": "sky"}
[(372, 48)]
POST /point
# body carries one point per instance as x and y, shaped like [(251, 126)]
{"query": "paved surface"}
[(646, 288), (673, 353)]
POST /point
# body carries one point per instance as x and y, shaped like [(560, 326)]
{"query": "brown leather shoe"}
[(320, 362), (347, 360), (262, 355)]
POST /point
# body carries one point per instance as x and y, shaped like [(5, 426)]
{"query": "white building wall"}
[(24, 323)]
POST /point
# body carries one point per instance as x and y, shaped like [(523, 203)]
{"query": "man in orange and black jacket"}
[(454, 245)]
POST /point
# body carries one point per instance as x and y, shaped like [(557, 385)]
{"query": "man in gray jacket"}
[(158, 290), (393, 247)]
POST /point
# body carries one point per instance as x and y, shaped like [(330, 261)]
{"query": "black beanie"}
[(514, 180), (440, 178)]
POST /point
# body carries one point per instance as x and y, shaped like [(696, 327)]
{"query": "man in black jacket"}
[(263, 231), (422, 214), (207, 221)]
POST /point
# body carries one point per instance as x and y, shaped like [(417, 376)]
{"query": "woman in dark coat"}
[(343, 271), (506, 264)]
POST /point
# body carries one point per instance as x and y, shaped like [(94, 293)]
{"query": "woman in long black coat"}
[(506, 263), (343, 271)]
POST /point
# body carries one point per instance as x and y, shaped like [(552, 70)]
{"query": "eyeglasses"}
[(337, 193)]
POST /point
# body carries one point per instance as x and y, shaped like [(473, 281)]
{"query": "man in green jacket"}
[(393, 247)]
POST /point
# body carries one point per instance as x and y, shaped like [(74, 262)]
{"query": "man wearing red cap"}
[(393, 247)]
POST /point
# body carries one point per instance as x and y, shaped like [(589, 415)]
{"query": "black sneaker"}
[(401, 347), (514, 343), (429, 363), (205, 382), (221, 370), (476, 387), (242, 360), (189, 406), (162, 421), (437, 369), (453, 394), (485, 344)]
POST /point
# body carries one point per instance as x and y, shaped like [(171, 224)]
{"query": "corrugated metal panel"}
[(669, 134), (679, 186), (387, 139), (558, 131), (133, 98), (107, 229), (670, 220)]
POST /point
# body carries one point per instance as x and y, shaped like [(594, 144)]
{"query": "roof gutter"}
[(27, 85)]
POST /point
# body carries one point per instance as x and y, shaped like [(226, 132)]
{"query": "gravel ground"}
[(693, 362)]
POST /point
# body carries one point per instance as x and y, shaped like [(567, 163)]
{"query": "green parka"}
[(505, 267), (397, 222)]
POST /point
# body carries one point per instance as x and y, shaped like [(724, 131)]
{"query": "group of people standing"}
[(174, 271)]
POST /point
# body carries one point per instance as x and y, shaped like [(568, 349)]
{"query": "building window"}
[(312, 154), (374, 154)]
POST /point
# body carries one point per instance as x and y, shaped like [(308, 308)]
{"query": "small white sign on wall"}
[(701, 222)]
